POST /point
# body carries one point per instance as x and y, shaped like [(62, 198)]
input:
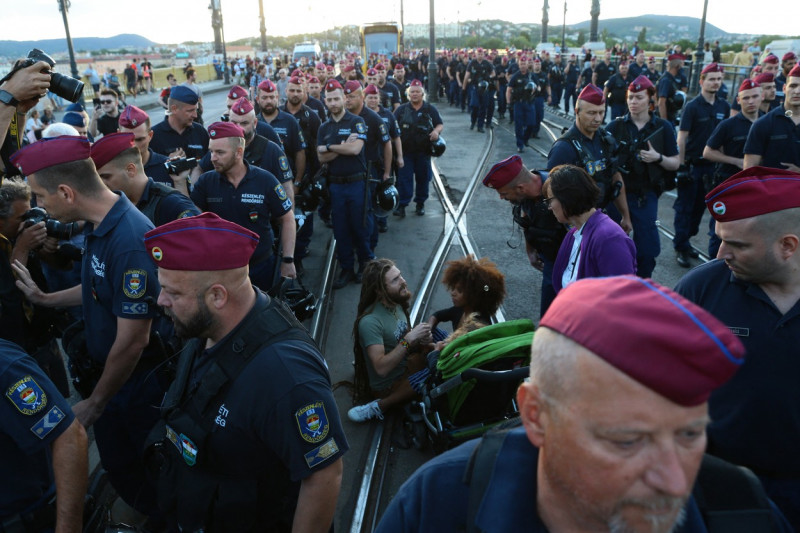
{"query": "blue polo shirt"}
[(390, 121), (272, 159), (155, 168), (287, 128), (257, 200), (700, 118), (390, 95), (170, 207), (377, 135), (33, 414), (776, 138), (755, 417), (729, 137), (193, 140), (267, 131), (564, 153), (118, 277), (333, 132), (317, 106)]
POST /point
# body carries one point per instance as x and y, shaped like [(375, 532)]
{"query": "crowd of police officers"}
[(332, 143)]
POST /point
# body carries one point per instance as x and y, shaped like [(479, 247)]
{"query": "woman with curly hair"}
[(475, 286)]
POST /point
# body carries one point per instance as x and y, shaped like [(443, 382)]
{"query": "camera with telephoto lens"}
[(60, 230), (63, 86), (176, 166)]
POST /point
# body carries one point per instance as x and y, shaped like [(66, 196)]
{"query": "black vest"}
[(640, 177)]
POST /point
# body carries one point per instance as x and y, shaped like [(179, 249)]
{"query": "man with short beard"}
[(606, 444), (788, 62), (390, 93), (284, 124), (179, 132), (262, 128), (249, 196), (137, 121), (401, 83), (387, 348)]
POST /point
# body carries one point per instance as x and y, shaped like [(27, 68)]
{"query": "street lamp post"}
[(698, 55), (63, 6), (433, 82), (219, 36), (262, 26), (564, 31), (545, 20)]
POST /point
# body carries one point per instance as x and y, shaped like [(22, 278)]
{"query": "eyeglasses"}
[(548, 200), (106, 101)]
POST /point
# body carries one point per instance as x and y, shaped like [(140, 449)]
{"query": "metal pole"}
[(226, 70), (595, 12), (63, 6), (402, 28), (698, 55), (545, 20), (433, 82), (262, 26), (564, 31)]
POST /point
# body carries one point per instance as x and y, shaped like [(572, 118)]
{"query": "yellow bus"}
[(381, 38)]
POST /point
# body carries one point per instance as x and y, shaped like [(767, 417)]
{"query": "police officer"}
[(340, 144), (294, 145), (699, 119), (543, 233), (648, 157), (44, 450), (119, 165), (461, 74), (788, 62), (501, 69), (586, 145), (773, 138), (420, 125), (651, 72), (638, 66), (249, 196), (571, 74), (454, 87), (540, 94), (615, 90), (118, 287), (402, 83), (262, 128), (668, 86), (603, 70), (377, 149), (520, 93), (137, 121), (390, 92), (556, 76), (179, 135), (250, 438), (477, 83)]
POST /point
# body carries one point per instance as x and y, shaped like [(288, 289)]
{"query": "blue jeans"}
[(644, 212), (416, 170), (351, 224), (689, 207)]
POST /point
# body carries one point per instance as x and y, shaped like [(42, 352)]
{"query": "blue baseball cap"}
[(77, 106), (74, 119)]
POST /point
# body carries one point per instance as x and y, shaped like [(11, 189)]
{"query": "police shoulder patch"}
[(50, 420), (27, 396), (134, 283), (322, 453), (312, 421), (361, 127), (383, 129), (279, 190), (284, 163)]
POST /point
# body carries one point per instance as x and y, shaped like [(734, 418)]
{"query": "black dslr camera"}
[(60, 230), (64, 86), (176, 166)]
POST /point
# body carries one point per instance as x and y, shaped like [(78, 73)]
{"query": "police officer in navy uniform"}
[(541, 93), (500, 70), (556, 76), (650, 71), (390, 92), (124, 329), (340, 144), (179, 134), (251, 197), (137, 121), (668, 85), (698, 121), (262, 128), (477, 85), (250, 439), (586, 145), (119, 165), (648, 157), (615, 90), (294, 145), (402, 84), (788, 62), (377, 149), (520, 94), (773, 139), (44, 449), (571, 74)]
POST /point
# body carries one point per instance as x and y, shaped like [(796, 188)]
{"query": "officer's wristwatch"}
[(287, 260), (8, 99)]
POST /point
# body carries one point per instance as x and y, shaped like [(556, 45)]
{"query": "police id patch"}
[(281, 192), (134, 283), (174, 439), (322, 453), (28, 397), (188, 449), (284, 163), (45, 425), (313, 422), (134, 308), (361, 127)]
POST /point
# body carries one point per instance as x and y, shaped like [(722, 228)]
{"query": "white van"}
[(784, 45), (310, 50)]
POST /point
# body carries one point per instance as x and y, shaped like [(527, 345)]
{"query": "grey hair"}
[(554, 361), (59, 128), (12, 190)]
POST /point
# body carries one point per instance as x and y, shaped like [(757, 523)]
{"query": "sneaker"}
[(368, 411)]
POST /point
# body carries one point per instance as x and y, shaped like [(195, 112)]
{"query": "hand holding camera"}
[(28, 84)]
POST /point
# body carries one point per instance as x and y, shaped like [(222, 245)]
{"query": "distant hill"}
[(56, 46), (660, 28)]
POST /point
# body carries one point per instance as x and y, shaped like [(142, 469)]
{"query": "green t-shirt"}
[(381, 326)]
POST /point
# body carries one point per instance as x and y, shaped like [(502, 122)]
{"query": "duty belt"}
[(342, 180)]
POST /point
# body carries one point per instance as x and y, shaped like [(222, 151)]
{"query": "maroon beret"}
[(237, 92), (537, 60), (109, 147), (592, 94), (652, 58), (641, 83), (756, 70), (313, 79), (655, 336), (795, 72), (349, 68), (241, 107), (332, 85), (372, 72), (47, 153), (221, 130), (295, 80), (380, 66), (352, 86), (788, 56), (329, 68), (765, 77), (772, 59), (320, 66), (371, 89), (399, 66), (203, 242), (296, 72), (712, 67), (752, 192), (416, 83), (675, 56), (267, 86), (502, 173), (131, 117), (748, 84)]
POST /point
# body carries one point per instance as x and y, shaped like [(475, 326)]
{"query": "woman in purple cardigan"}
[(595, 246)]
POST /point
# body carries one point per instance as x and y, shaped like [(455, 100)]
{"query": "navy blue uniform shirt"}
[(268, 132), (391, 122), (563, 152), (272, 159), (155, 168), (700, 118), (170, 207), (193, 140), (287, 128), (390, 95), (32, 415), (258, 199), (332, 132), (776, 138), (377, 135), (729, 137)]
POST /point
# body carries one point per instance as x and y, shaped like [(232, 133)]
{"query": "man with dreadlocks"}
[(387, 350)]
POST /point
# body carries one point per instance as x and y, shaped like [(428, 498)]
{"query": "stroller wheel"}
[(416, 433)]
